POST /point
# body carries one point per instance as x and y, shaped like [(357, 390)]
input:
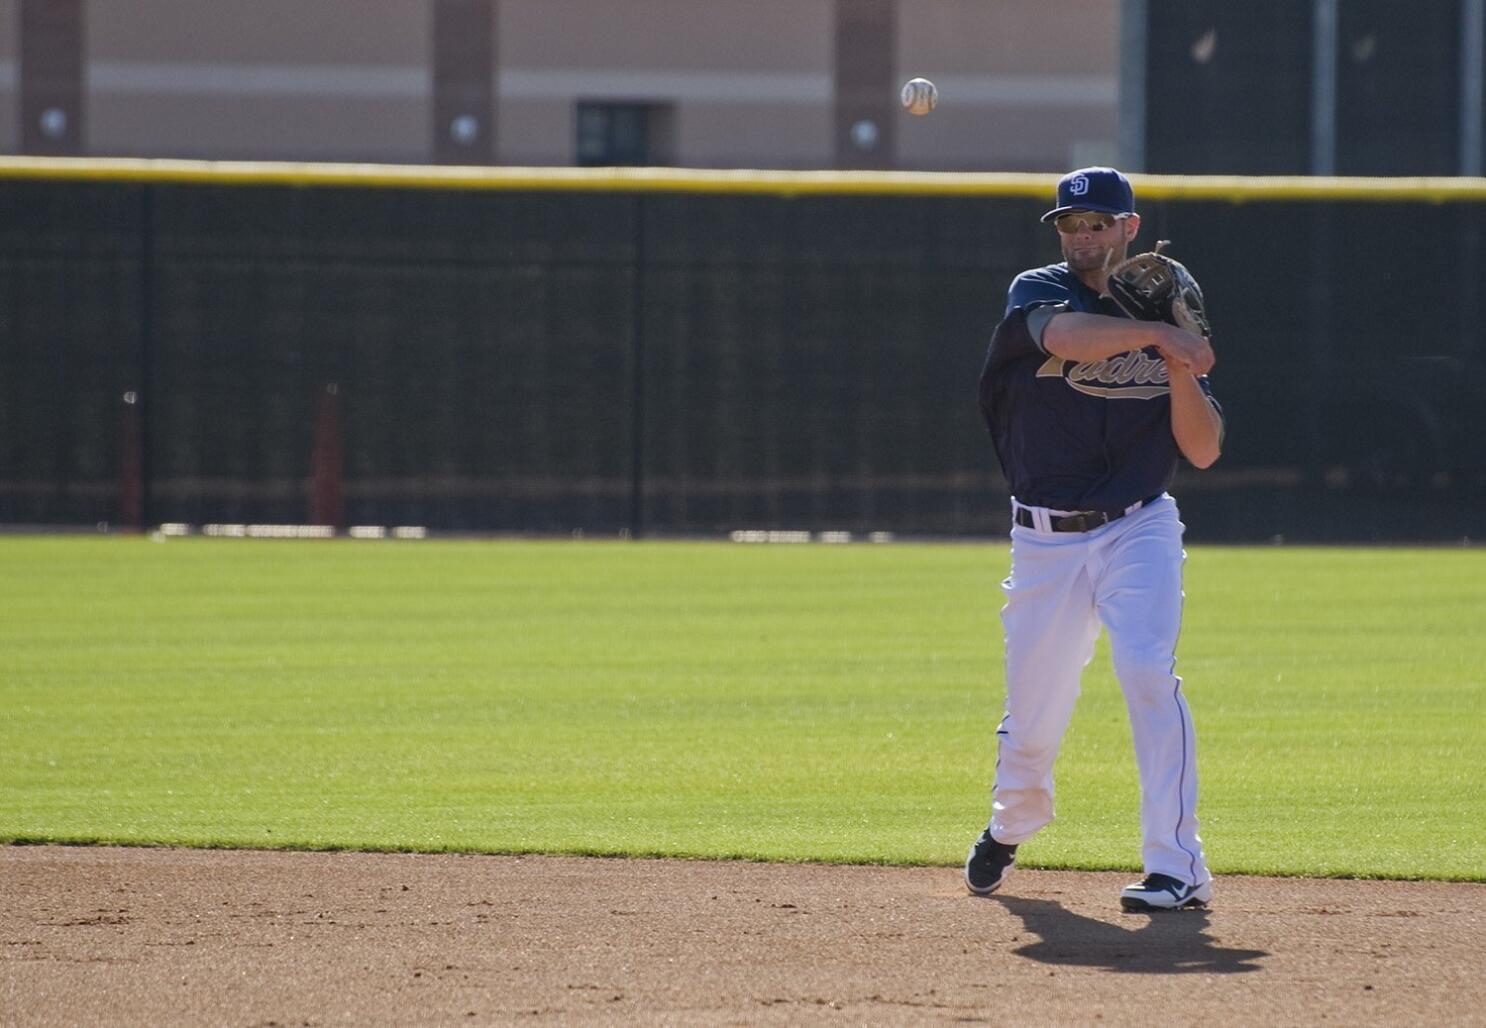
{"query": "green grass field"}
[(708, 699)]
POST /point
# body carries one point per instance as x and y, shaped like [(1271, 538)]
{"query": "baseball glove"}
[(1153, 287)]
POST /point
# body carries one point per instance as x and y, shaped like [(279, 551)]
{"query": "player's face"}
[(1092, 240)]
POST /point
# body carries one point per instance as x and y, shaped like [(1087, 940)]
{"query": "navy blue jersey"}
[(1090, 436)]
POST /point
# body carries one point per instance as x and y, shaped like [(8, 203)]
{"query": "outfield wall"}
[(667, 352)]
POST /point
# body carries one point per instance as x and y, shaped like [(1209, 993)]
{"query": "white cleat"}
[(1163, 892)]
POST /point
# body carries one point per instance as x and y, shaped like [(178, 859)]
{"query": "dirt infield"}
[(142, 936)]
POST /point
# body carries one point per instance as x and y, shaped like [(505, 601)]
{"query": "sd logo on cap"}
[(1093, 189)]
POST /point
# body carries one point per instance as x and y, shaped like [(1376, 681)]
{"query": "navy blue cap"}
[(1093, 189)]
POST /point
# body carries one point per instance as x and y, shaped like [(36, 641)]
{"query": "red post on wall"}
[(327, 502), (131, 464)]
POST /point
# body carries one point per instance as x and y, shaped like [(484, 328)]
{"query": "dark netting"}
[(476, 345), (1228, 87), (812, 362), (687, 363), (69, 348), (1348, 394), (1398, 88)]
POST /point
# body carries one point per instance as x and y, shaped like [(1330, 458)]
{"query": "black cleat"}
[(1163, 892), (988, 864)]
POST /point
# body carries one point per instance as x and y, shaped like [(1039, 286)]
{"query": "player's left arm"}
[(1196, 421)]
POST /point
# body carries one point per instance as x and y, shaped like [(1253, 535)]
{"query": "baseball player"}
[(1088, 410)]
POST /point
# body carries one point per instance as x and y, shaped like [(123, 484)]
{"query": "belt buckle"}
[(1092, 519), (1085, 521)]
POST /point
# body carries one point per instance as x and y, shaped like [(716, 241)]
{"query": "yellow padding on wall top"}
[(1236, 188)]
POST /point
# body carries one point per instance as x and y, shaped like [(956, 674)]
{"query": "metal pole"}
[(146, 372), (1133, 28), (637, 381), (1472, 84), (1472, 115), (1323, 89)]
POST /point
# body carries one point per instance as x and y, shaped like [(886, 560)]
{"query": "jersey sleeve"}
[(1011, 341), (1035, 289), (1206, 386), (1207, 390), (1018, 336)]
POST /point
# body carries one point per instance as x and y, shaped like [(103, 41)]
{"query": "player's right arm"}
[(1078, 337), (1039, 318)]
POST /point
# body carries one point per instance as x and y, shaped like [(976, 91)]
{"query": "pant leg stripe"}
[(1181, 801), (1181, 713)]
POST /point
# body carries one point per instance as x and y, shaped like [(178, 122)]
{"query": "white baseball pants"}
[(1127, 576)]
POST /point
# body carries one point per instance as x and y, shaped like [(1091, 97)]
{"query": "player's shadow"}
[(1173, 942)]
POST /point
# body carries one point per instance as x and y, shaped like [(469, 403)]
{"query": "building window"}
[(624, 134)]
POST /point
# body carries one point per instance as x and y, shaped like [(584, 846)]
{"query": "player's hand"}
[(1185, 349)]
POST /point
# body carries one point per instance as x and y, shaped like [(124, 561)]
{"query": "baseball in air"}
[(919, 96)]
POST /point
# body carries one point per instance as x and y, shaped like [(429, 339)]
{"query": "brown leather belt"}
[(1080, 521)]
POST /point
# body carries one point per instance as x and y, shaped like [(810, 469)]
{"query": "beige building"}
[(1025, 85)]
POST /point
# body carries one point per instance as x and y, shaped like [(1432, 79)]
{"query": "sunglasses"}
[(1075, 221)]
